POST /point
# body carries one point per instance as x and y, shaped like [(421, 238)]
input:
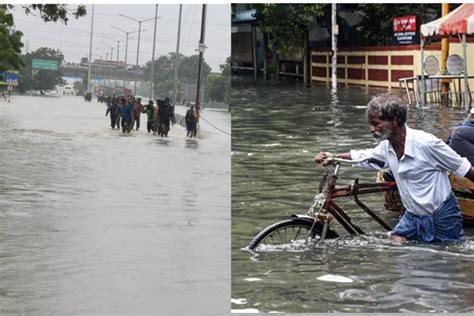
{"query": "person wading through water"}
[(166, 114), (190, 122), (419, 163), (126, 112)]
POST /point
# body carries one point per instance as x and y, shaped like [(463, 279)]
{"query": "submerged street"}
[(276, 131), (94, 221)]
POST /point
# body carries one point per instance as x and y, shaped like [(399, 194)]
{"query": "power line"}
[(227, 133), (69, 28)]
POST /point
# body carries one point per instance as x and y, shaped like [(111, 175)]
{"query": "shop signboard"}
[(405, 30)]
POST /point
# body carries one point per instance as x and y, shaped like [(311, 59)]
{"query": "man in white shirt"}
[(420, 163)]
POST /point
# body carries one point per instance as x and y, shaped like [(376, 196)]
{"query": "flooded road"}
[(276, 131), (93, 221)]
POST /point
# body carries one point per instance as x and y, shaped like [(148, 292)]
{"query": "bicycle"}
[(315, 223)]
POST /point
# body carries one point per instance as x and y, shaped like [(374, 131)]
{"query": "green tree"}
[(40, 79), (188, 69), (376, 25), (10, 39), (218, 87), (164, 72), (10, 43), (286, 23)]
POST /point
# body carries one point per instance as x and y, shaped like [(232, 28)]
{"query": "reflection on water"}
[(276, 131), (95, 222)]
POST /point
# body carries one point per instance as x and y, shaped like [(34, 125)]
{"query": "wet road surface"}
[(276, 131), (93, 221)]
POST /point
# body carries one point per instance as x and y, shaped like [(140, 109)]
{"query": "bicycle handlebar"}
[(361, 160)]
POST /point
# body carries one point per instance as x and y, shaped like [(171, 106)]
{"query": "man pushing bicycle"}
[(420, 163)]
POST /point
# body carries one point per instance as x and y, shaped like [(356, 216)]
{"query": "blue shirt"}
[(126, 112)]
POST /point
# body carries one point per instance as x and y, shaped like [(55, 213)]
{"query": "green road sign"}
[(44, 64)]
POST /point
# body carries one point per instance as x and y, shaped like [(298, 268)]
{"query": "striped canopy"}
[(459, 21)]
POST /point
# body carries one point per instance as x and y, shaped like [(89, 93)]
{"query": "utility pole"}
[(111, 59), (201, 49), (444, 57), (102, 72), (116, 66), (125, 65), (138, 53), (335, 32), (117, 62), (89, 85), (109, 71), (152, 80), (175, 91), (138, 45), (126, 51)]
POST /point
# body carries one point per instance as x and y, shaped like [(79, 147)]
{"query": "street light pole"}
[(89, 85), (176, 57), (111, 56), (106, 57), (138, 53), (126, 51), (116, 66), (117, 62), (152, 80), (138, 45)]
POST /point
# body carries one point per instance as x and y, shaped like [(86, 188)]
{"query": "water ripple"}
[(276, 130)]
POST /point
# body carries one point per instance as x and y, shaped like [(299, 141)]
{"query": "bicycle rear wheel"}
[(288, 232)]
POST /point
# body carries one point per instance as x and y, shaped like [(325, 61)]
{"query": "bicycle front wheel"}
[(287, 233)]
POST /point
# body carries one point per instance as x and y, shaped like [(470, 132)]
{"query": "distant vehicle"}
[(68, 90), (84, 61), (135, 68)]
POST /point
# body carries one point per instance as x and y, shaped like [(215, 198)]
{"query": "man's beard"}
[(380, 137)]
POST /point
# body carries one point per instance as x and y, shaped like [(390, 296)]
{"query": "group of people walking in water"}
[(125, 113)]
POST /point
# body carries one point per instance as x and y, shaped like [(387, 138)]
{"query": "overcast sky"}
[(73, 39)]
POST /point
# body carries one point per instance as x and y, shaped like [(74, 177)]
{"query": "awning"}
[(459, 21)]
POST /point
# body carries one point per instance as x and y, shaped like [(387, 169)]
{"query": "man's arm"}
[(470, 174), (323, 157)]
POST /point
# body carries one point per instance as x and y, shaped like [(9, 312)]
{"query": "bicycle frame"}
[(329, 209)]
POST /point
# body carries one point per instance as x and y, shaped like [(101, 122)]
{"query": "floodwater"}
[(276, 131), (95, 222)]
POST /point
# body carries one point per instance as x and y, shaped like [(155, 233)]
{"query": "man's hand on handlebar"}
[(324, 158)]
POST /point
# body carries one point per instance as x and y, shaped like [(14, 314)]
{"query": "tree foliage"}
[(164, 72), (10, 39), (286, 23), (41, 79), (10, 43), (376, 24), (218, 87), (55, 12)]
